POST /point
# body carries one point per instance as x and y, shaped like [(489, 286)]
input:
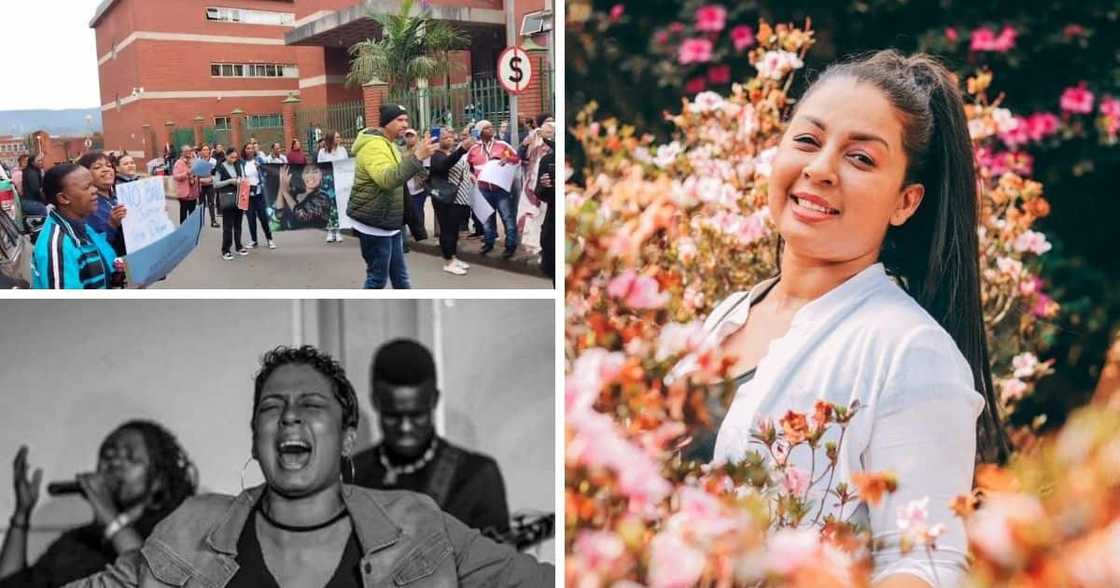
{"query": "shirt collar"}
[(824, 306), (372, 524)]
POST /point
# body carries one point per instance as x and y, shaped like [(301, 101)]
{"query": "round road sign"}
[(514, 70)]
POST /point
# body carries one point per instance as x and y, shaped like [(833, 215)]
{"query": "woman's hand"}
[(26, 489), (118, 214), (545, 181), (283, 189), (97, 491)]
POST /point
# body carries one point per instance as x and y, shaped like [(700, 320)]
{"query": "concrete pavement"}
[(302, 260)]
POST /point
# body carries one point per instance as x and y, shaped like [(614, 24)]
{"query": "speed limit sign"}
[(514, 70)]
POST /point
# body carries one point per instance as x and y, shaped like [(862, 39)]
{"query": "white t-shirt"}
[(373, 231), (867, 340), (339, 154)]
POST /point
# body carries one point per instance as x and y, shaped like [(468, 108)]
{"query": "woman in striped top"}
[(451, 176)]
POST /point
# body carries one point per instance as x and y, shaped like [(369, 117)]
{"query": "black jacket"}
[(33, 184)]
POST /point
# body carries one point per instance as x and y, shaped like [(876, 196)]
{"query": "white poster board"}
[(343, 183), (498, 173), (147, 220)]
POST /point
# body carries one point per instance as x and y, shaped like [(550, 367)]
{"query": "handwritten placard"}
[(147, 220)]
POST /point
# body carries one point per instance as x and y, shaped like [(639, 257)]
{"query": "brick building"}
[(180, 71), (11, 148)]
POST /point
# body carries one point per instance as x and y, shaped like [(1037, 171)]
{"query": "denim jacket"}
[(406, 540)]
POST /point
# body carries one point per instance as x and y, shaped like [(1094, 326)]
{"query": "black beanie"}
[(390, 112)]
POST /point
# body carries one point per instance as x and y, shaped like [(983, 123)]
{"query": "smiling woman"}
[(303, 526), (876, 306)]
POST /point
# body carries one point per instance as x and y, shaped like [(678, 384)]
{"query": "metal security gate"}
[(458, 106), (345, 117)]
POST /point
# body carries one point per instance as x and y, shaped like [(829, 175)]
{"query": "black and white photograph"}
[(278, 443)]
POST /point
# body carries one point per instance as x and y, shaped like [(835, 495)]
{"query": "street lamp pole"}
[(511, 41)]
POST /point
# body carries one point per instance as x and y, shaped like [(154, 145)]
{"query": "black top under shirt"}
[(703, 446), (252, 572)]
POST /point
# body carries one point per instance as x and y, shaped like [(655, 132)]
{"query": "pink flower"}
[(1078, 100), (742, 37), (598, 442), (992, 529), (593, 369), (982, 39), (695, 50), (1041, 125), (1009, 266), (616, 12), (673, 563), (719, 74), (711, 18), (1032, 241), (1044, 306), (1073, 30), (777, 63), (1012, 390), (661, 37), (695, 86), (1005, 41), (600, 550), (638, 292), (795, 481), (676, 27), (913, 523), (678, 338), (790, 549), (1025, 364), (1028, 287), (1110, 106), (951, 34)]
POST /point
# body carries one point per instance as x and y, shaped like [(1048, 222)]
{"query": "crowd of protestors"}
[(397, 171)]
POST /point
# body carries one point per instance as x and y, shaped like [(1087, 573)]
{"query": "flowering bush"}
[(657, 236)]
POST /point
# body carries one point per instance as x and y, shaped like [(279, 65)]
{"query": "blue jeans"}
[(506, 207), (384, 261)]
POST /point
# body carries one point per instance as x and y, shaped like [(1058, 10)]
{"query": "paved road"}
[(302, 260)]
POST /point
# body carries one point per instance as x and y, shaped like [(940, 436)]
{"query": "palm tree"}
[(411, 48)]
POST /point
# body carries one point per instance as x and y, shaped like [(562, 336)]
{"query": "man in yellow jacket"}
[(377, 199)]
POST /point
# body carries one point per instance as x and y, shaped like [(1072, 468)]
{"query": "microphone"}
[(61, 488)]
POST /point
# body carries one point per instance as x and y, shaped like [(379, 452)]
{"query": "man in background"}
[(411, 456)]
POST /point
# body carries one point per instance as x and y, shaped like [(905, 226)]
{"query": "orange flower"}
[(1039, 207), (964, 505), (871, 486), (822, 414), (795, 427), (992, 478)]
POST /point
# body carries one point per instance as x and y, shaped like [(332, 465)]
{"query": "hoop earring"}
[(243, 472)]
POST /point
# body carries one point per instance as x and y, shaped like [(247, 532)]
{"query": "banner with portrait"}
[(299, 196)]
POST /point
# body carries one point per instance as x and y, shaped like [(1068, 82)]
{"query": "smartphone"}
[(436, 132)]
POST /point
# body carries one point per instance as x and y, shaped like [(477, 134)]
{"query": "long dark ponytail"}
[(936, 252)]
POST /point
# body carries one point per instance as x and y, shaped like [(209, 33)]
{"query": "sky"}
[(54, 65)]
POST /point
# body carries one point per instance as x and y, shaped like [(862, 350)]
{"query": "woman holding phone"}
[(228, 178), (452, 185)]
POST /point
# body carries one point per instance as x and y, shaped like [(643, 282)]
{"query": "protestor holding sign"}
[(377, 199), (110, 212), (229, 176), (494, 182)]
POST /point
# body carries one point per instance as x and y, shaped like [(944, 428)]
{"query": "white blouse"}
[(867, 340)]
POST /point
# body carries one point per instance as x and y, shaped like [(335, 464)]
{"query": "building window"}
[(253, 70), (536, 22), (255, 17), (221, 123), (265, 121)]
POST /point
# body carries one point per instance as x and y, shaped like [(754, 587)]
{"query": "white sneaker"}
[(330, 237), (271, 245), (252, 244), (227, 256), (243, 251), (461, 263), (338, 236), (451, 268)]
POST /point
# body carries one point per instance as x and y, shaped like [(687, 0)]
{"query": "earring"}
[(243, 472)]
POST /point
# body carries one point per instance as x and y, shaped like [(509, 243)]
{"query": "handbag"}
[(443, 192), (227, 201)]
